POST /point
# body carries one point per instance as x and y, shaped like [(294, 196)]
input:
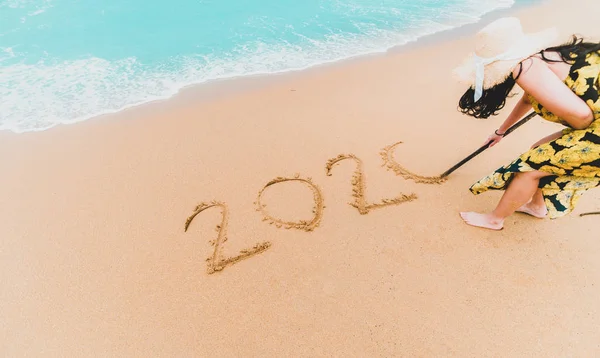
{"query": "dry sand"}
[(96, 261)]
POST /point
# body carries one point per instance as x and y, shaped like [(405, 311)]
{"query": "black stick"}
[(486, 146)]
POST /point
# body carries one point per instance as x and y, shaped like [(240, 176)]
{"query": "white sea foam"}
[(40, 7), (39, 96), (37, 12), (6, 53), (19, 4)]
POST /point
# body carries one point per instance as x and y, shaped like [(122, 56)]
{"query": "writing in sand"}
[(217, 262)]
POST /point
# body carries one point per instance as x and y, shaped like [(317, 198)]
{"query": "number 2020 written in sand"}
[(217, 262)]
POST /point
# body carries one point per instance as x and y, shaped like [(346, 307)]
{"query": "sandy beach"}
[(96, 261)]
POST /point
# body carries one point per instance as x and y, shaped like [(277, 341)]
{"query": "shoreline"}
[(215, 88)]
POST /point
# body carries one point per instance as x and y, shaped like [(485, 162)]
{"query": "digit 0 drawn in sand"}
[(389, 161), (302, 224), (216, 262), (359, 187)]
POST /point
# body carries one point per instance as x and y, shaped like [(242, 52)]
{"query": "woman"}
[(561, 83)]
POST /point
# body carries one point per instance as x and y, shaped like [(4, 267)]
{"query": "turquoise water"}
[(63, 61)]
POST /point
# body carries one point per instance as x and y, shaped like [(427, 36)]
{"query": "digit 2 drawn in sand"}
[(302, 224), (389, 161), (216, 262), (359, 187)]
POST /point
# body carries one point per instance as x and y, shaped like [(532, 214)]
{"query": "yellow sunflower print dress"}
[(574, 158)]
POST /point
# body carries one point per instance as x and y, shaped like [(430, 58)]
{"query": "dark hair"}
[(494, 99), (572, 50)]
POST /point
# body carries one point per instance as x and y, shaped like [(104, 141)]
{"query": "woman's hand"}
[(519, 111), (494, 139)]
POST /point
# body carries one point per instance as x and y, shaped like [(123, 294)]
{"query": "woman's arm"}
[(518, 111), (537, 79), (522, 107)]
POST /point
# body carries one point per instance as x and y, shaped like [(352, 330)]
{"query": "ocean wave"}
[(51, 92)]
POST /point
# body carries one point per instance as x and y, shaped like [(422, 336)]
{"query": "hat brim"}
[(497, 72)]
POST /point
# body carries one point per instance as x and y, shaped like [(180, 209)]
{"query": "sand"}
[(364, 262)]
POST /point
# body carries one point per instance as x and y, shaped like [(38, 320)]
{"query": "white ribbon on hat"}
[(480, 64)]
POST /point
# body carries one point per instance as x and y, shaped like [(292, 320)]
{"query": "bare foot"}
[(539, 212), (486, 221)]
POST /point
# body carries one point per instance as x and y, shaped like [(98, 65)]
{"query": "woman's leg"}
[(520, 190), (549, 138), (538, 199), (536, 207)]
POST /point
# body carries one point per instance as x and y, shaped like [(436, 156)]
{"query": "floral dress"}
[(573, 159)]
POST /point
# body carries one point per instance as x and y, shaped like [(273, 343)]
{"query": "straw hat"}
[(499, 47)]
